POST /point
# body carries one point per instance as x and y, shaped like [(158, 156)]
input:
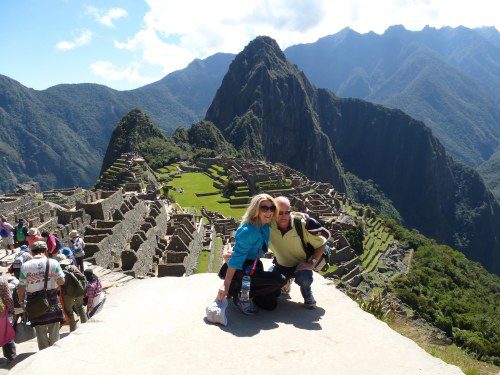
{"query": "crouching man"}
[(291, 259)]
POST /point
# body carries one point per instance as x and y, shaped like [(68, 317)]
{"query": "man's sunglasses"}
[(268, 208), (284, 213)]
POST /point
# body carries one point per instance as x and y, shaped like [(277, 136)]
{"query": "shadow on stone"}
[(287, 312), (4, 364)]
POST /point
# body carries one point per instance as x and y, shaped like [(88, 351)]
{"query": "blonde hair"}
[(252, 213)]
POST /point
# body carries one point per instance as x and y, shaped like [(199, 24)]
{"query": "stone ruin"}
[(319, 199), (123, 231), (131, 173), (133, 230)]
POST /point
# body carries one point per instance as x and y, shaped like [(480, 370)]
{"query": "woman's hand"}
[(222, 292), (227, 255)]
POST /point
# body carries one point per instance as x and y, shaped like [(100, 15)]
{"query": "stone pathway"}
[(157, 326), (109, 279)]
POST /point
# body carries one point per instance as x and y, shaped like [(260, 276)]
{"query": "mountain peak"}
[(264, 108), (395, 29), (263, 46), (136, 132)]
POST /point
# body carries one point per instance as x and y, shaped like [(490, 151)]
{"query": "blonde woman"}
[(251, 242)]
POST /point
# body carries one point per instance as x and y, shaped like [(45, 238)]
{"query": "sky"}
[(129, 43)]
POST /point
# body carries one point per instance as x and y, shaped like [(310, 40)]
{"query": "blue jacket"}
[(248, 242)]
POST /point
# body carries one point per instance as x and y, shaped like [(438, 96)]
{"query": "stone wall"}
[(142, 258), (107, 252), (71, 220), (11, 203), (103, 208)]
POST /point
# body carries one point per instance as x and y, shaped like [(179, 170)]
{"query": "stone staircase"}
[(109, 280)]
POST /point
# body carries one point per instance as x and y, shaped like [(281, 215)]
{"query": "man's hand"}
[(302, 214), (304, 266)]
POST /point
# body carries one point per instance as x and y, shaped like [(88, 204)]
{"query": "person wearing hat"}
[(77, 245), (32, 283), (290, 258), (33, 236), (7, 235), (20, 233), (73, 291), (20, 258)]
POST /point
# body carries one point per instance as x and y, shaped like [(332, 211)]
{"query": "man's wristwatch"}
[(313, 261)]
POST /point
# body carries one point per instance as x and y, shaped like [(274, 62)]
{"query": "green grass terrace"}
[(198, 191)]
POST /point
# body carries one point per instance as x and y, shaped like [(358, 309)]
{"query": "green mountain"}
[(449, 78), (490, 171), (264, 108), (58, 136), (136, 132), (267, 108), (430, 68)]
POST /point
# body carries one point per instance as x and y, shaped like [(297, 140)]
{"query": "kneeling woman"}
[(251, 242)]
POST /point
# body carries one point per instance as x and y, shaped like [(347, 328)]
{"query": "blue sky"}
[(128, 43)]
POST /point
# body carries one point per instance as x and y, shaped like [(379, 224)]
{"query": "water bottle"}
[(245, 289)]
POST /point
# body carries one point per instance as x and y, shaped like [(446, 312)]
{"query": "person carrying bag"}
[(40, 279), (38, 303)]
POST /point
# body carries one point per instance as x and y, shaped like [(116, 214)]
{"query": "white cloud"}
[(107, 18), (109, 71), (82, 39), (174, 33)]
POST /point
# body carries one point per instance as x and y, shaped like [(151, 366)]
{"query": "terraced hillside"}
[(128, 171)]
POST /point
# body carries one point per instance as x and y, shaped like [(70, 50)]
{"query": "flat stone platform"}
[(157, 326)]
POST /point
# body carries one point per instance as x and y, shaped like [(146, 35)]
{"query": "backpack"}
[(77, 248), (18, 261), (3, 232), (307, 247), (20, 235), (59, 245), (75, 282)]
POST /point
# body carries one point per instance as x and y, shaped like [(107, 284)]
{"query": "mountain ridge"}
[(266, 100)]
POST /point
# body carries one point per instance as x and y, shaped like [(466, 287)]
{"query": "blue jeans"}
[(303, 278)]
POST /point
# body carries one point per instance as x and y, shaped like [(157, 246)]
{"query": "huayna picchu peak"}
[(267, 108), (264, 108)]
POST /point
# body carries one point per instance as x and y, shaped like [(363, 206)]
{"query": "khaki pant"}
[(68, 306), (47, 334)]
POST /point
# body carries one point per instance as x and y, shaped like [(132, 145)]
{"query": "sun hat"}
[(66, 251), (33, 232), (24, 248), (39, 245), (313, 226), (73, 234), (62, 259), (216, 312)]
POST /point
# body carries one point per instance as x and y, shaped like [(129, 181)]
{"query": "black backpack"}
[(308, 248)]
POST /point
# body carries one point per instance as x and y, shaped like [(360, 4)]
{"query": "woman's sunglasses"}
[(268, 208)]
